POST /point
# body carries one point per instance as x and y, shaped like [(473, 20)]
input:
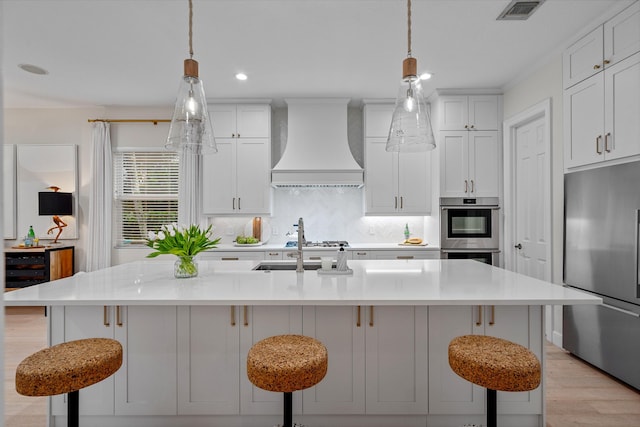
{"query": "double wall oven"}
[(469, 229)]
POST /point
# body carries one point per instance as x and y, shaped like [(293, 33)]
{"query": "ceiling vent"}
[(519, 10)]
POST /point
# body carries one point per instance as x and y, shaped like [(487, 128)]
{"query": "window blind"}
[(145, 193)]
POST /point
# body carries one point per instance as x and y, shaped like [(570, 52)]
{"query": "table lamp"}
[(55, 203)]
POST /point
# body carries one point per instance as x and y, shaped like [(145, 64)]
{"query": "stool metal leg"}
[(73, 409), (288, 409), (492, 403)]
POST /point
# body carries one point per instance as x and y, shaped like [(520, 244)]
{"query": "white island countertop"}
[(379, 282)]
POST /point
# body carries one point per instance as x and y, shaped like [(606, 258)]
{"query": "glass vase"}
[(185, 267)]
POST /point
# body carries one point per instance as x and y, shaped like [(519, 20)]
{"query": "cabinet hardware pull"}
[(105, 316), (518, 246), (607, 62), (229, 258), (238, 135), (118, 315), (472, 126), (606, 142), (274, 253), (466, 186), (479, 321), (598, 139), (596, 67), (358, 317), (492, 321), (239, 203), (473, 189), (361, 253), (404, 257), (233, 135), (371, 316), (233, 204), (401, 202), (466, 126), (246, 315), (233, 315), (396, 207), (315, 258)]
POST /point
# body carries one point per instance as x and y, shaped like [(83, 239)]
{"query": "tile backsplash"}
[(329, 213)]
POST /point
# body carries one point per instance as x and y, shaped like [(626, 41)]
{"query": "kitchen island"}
[(386, 327)]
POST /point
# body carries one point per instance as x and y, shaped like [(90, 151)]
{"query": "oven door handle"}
[(469, 207)]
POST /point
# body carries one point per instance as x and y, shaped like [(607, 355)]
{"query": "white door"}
[(532, 197)]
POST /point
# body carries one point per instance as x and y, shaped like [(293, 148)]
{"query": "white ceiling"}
[(131, 52)]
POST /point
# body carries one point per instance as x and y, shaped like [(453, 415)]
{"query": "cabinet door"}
[(78, 322), (208, 360), (381, 178), (453, 113), (622, 35), (342, 389), (146, 383), (584, 122), (622, 108), (377, 120), (484, 164), (223, 120), (253, 176), (396, 348), (522, 325), (253, 121), (483, 112), (583, 59), (257, 323), (449, 393), (218, 179), (454, 164), (414, 183)]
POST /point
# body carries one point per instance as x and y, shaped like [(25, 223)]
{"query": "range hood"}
[(317, 150)]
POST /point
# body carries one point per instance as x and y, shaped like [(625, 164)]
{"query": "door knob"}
[(518, 246)]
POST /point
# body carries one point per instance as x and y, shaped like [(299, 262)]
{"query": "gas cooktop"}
[(323, 244)]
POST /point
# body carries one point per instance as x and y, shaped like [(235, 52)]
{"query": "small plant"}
[(180, 240)]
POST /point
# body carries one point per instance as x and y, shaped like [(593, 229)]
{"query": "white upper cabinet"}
[(395, 183), (603, 47), (477, 112), (236, 179), (240, 120), (601, 108)]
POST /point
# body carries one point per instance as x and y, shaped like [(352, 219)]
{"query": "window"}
[(145, 193)]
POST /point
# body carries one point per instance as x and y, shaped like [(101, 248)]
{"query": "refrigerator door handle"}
[(621, 310)]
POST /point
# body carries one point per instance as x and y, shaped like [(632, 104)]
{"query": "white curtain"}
[(100, 199), (190, 188)]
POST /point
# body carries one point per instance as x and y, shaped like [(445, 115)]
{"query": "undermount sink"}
[(286, 266)]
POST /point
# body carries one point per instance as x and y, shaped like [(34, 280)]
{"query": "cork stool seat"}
[(287, 363), (496, 364), (67, 368)]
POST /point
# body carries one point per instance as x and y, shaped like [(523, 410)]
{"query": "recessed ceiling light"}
[(33, 69), (425, 76), (241, 76)]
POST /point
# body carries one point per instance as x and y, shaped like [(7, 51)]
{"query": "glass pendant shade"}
[(190, 128), (411, 122)]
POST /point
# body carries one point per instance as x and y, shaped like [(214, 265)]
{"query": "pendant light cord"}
[(408, 27), (190, 29)]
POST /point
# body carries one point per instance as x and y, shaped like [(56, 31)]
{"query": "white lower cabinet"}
[(341, 329), (208, 360), (146, 381), (449, 393), (377, 360), (232, 256)]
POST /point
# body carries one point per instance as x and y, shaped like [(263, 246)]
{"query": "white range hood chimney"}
[(317, 150)]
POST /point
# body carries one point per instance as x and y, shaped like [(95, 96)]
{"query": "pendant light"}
[(190, 129), (411, 123)]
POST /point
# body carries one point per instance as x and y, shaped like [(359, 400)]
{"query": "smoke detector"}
[(519, 10)]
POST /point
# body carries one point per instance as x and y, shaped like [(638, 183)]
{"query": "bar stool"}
[(67, 368), (286, 363), (495, 364)]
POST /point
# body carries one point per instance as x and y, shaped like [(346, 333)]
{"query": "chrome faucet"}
[(301, 242)]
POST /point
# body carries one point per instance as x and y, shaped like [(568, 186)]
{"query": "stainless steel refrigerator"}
[(602, 225)]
